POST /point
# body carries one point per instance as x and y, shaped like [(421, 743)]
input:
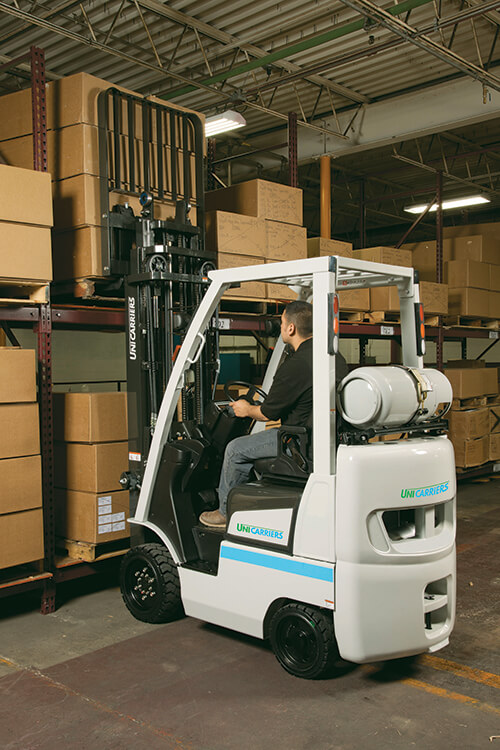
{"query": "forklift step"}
[(208, 542)]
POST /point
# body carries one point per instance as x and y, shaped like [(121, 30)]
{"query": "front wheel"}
[(303, 641), (150, 585)]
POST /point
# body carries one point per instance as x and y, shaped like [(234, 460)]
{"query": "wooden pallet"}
[(23, 292), (89, 552), (351, 317), (381, 316), (90, 289), (250, 306), (475, 402), (466, 321)]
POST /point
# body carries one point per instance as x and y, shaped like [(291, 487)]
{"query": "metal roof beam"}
[(369, 9), (374, 49), (231, 41)]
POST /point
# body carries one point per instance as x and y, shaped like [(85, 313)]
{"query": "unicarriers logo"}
[(259, 531), (432, 489), (132, 337)]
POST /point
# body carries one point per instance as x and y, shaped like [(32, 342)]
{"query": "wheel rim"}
[(297, 643), (142, 584)]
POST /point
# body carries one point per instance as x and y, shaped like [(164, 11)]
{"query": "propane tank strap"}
[(422, 388)]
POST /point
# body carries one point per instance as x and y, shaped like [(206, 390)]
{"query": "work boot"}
[(214, 519)]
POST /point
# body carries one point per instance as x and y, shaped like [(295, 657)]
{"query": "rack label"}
[(493, 335), (387, 330)]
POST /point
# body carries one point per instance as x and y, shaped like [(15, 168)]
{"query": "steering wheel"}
[(252, 390)]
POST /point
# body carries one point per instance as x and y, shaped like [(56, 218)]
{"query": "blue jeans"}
[(239, 457)]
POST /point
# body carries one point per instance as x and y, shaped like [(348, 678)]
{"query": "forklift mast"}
[(151, 160)]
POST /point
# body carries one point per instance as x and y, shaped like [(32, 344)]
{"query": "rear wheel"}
[(303, 641), (150, 585)]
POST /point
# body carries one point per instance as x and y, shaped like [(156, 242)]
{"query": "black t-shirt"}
[(291, 396)]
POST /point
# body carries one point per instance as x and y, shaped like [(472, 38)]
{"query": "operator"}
[(289, 399)]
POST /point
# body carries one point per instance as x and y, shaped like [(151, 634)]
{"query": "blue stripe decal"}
[(277, 563)]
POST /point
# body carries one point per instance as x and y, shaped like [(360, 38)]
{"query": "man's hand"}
[(242, 408)]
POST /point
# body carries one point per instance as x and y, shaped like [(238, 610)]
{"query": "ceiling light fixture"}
[(472, 200), (228, 120)]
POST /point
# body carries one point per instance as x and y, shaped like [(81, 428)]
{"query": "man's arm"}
[(242, 408)]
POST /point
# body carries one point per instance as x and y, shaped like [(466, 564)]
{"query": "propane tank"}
[(393, 396)]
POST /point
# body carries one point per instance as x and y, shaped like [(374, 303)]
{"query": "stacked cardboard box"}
[(73, 161), (494, 434), (21, 518), (474, 277), (470, 424), (91, 452), (25, 221), (471, 270), (256, 222)]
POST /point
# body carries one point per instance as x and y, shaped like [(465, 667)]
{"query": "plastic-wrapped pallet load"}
[(91, 452), (21, 517)]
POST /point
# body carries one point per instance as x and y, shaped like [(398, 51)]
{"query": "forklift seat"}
[(293, 462)]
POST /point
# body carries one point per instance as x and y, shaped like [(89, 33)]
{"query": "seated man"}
[(289, 399)]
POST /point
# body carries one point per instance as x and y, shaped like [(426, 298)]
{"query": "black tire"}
[(150, 585), (303, 641)]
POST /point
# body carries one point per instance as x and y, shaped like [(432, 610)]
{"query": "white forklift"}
[(342, 544)]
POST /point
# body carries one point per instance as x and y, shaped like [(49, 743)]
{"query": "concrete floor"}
[(90, 676)]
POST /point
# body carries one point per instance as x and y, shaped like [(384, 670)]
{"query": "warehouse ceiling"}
[(394, 92)]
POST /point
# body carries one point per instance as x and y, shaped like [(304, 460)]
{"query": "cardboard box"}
[(494, 278), (468, 273), (389, 255), (249, 288), (494, 304), (466, 230), (234, 233), (17, 375), (22, 537), (279, 292), (484, 248), (285, 241), (468, 382), (469, 424), (434, 298), (490, 380), (354, 300), (468, 301), (494, 447), (471, 452), (77, 203), (20, 433), (77, 253), (25, 196), (424, 257), (25, 252), (495, 418), (90, 417), (69, 100), (90, 468), (89, 517), (267, 200), (317, 246), (70, 151), (21, 483)]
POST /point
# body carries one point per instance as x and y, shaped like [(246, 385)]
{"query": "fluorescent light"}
[(228, 120), (473, 200)]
